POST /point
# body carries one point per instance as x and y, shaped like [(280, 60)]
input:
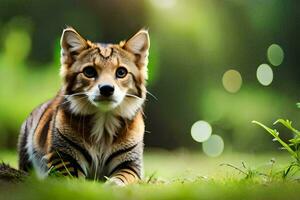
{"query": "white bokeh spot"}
[(264, 74), (214, 146), (201, 131)]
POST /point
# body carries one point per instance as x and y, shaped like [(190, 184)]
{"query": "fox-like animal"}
[(93, 127)]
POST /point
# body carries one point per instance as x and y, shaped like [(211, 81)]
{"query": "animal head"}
[(100, 77)]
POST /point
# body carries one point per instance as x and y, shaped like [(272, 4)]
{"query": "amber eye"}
[(90, 72), (121, 72)]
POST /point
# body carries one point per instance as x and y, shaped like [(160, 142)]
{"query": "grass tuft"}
[(292, 146)]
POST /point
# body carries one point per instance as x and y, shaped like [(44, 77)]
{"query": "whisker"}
[(69, 100), (143, 113), (132, 95), (92, 101), (152, 95), (75, 94)]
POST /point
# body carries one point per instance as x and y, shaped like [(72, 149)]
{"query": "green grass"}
[(174, 175), (292, 146)]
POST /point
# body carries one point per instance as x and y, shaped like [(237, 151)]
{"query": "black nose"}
[(106, 90)]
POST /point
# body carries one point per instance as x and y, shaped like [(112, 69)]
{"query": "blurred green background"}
[(193, 44)]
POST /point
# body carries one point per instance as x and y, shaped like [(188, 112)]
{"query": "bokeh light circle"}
[(201, 131), (264, 74), (214, 146), (232, 81), (275, 54)]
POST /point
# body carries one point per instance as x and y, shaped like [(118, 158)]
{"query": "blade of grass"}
[(275, 134), (288, 124)]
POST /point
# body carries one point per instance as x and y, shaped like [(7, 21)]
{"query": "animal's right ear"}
[(72, 44)]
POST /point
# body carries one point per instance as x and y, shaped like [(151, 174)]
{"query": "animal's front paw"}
[(113, 181)]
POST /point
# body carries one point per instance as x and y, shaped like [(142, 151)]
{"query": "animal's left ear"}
[(139, 45)]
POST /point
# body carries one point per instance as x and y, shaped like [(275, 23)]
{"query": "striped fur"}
[(74, 134)]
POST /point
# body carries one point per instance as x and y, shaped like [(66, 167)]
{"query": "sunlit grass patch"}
[(199, 189), (173, 175)]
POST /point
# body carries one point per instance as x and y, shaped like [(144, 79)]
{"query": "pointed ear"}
[(139, 45), (72, 44)]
